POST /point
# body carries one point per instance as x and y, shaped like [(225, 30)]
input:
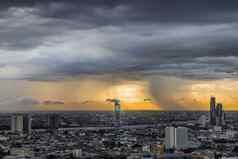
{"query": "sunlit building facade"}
[(181, 138), (169, 137)]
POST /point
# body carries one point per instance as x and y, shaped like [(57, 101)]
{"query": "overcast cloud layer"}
[(50, 40)]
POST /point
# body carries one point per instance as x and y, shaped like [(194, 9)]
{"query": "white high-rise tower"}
[(169, 137), (176, 138), (181, 138), (17, 123), (21, 123)]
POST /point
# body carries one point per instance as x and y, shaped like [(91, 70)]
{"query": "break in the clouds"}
[(50, 40)]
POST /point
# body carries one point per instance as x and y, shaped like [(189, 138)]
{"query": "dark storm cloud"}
[(165, 11), (152, 10), (189, 39)]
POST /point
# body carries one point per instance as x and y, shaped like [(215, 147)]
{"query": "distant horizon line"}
[(149, 110)]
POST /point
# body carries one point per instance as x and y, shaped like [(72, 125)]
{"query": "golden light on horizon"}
[(224, 90), (188, 95), (128, 93), (75, 93)]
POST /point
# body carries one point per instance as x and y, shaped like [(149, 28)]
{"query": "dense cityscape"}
[(119, 134), (118, 79)]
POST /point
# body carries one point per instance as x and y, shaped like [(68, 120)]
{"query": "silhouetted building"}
[(53, 123), (13, 123), (27, 124), (213, 110), (117, 109), (219, 114)]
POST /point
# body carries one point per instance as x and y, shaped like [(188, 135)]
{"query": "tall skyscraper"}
[(219, 114), (213, 110), (53, 122), (169, 137), (223, 118), (176, 138), (27, 124), (21, 123), (13, 123), (181, 138), (117, 121), (17, 123), (117, 109)]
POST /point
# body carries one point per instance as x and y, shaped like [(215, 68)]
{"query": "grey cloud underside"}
[(56, 39)]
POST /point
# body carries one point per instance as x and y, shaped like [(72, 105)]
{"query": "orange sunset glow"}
[(91, 93), (56, 56)]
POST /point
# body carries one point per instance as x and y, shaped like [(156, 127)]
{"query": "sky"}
[(73, 55)]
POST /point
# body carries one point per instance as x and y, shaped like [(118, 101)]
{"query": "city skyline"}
[(73, 55), (118, 79)]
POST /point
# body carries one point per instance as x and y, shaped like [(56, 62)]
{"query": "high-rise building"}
[(117, 109), (27, 124), (77, 153), (21, 123), (219, 114), (213, 110), (223, 118), (181, 138), (13, 123), (169, 137), (53, 122), (17, 123), (202, 121), (176, 138)]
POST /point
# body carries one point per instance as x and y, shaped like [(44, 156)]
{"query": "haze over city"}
[(118, 79), (73, 55)]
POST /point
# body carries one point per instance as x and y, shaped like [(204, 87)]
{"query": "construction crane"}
[(117, 105), (117, 110)]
